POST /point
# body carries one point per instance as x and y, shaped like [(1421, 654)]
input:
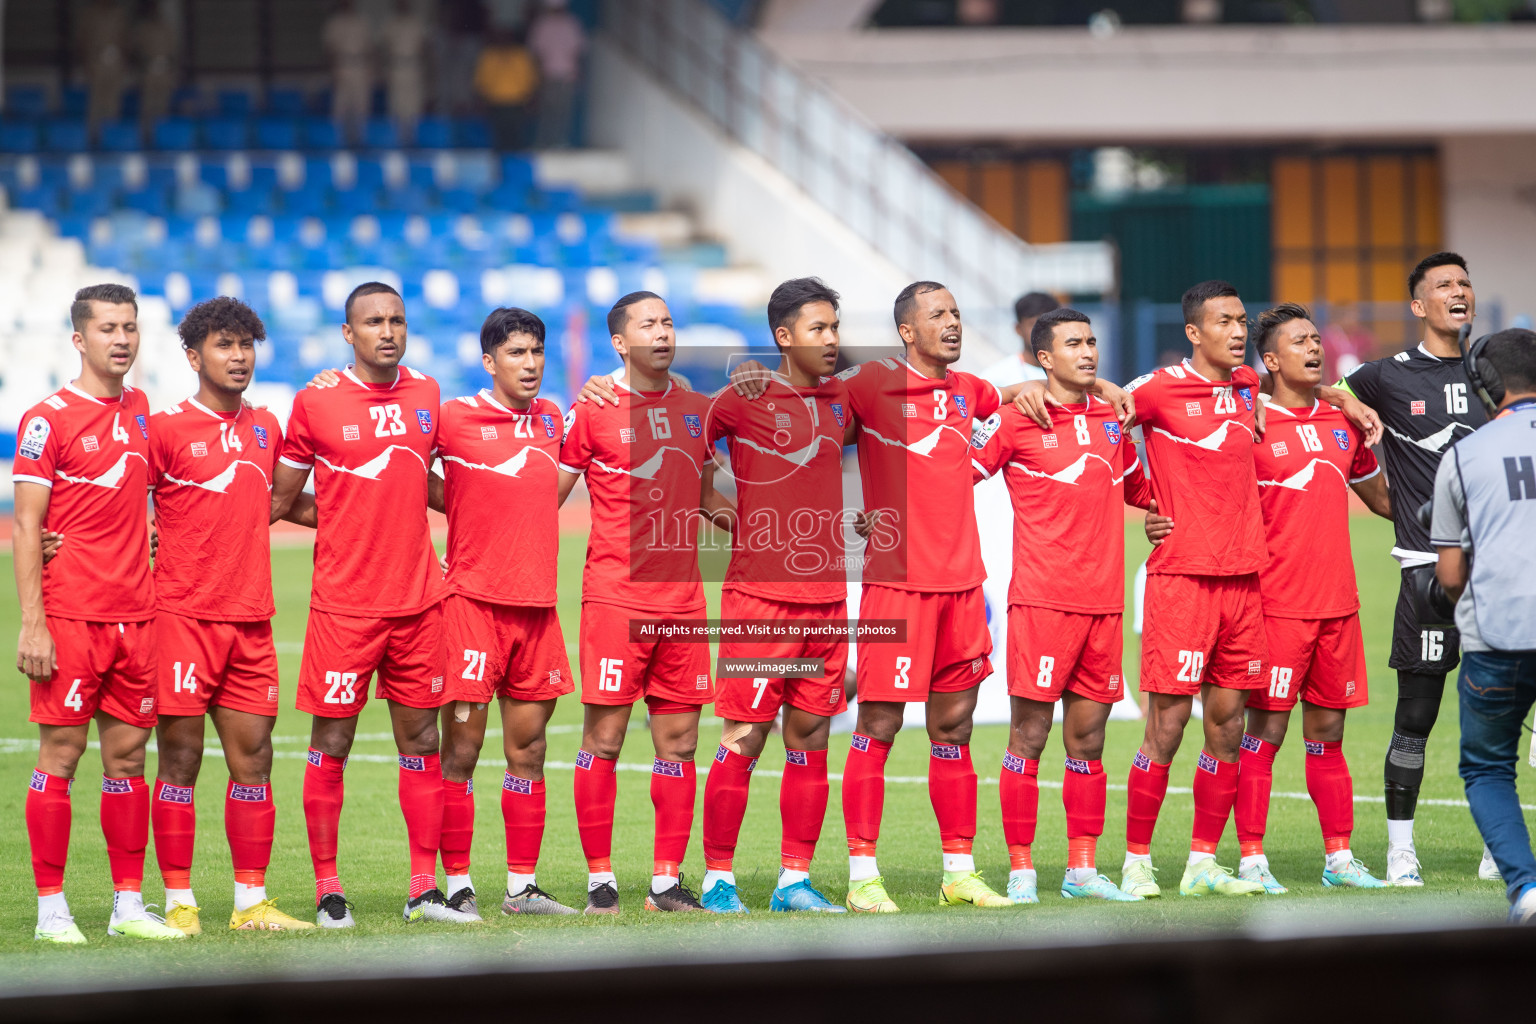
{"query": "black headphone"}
[(1481, 373)]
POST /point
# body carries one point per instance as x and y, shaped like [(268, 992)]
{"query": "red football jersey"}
[(644, 460), (94, 454), (915, 462), (1306, 462), (212, 479), (370, 446), (787, 459), (502, 482), (1199, 448), (1069, 488)]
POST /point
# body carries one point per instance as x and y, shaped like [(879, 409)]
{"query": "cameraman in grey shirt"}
[(1484, 529)]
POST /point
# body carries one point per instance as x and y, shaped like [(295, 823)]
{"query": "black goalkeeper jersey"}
[(1426, 405)]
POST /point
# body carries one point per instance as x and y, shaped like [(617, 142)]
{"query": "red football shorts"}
[(1202, 629), (1050, 651), (1320, 661), (948, 646), (667, 673), (741, 699), (103, 666), (342, 652), (228, 664), (501, 650)]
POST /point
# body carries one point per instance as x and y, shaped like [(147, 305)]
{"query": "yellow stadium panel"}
[(996, 193), (1045, 202), (1426, 194), (1389, 280), (1294, 278), (957, 173), (1341, 279), (1387, 195), (1341, 202), (1291, 203)]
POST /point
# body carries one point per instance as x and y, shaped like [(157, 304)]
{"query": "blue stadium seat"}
[(226, 133), (73, 100), (119, 137), (380, 133), (287, 103), (175, 133), (26, 101), (234, 103), (277, 133), (43, 197), (91, 203), (434, 133), (321, 133), (18, 137), (61, 135), (471, 133)]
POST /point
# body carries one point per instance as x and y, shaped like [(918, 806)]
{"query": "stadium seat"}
[(175, 133), (26, 101), (471, 133), (18, 137), (434, 133), (381, 133), (65, 135), (288, 103), (277, 133), (119, 137), (234, 103), (226, 133), (320, 133)]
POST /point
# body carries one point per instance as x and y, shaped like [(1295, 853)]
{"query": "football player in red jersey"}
[(87, 619), (649, 472), (377, 593), (1067, 483), (787, 566), (500, 452), (211, 466), (1310, 457)]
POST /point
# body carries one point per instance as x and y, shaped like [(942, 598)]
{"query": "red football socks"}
[(125, 825), (1215, 792), (421, 802), (323, 791), (952, 790), (802, 806), (596, 788), (1084, 794), (1333, 791), (725, 804), (458, 825), (864, 792), (173, 816), (249, 818), (674, 789), (1146, 788), (1018, 785), (523, 811), (1256, 776), (48, 821)]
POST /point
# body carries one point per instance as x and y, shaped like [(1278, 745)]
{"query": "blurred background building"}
[(554, 155)]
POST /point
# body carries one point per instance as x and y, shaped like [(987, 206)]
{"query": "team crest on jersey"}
[(549, 424), (694, 424), (1113, 431), (35, 437), (837, 413), (143, 423), (1247, 396), (1341, 438), (261, 436), (424, 418), (960, 404)]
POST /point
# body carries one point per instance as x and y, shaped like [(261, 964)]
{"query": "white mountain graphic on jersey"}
[(923, 445), (648, 469), (112, 478), (511, 467), (220, 484), (1434, 442), (1210, 442), (1299, 480), (375, 466), (1070, 474), (800, 456)]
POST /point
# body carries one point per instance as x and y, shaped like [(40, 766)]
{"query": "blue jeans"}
[(1497, 689)]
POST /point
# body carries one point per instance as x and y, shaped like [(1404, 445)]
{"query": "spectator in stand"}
[(1347, 343), (462, 27), (558, 42), (505, 80), (348, 41), (405, 45), (102, 38), (157, 44)]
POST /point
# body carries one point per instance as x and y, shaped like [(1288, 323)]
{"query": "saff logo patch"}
[(694, 424), (1341, 438), (838, 414), (143, 425), (35, 438), (1112, 430), (424, 418), (261, 436), (549, 424)]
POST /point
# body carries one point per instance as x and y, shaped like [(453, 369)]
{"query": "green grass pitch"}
[(373, 851)]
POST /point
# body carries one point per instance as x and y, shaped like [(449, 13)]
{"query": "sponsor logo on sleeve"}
[(960, 404), (512, 784), (199, 448), (583, 759), (424, 420), (982, 432), (694, 424), (1138, 382), (350, 432), (847, 374), (250, 794), (1250, 743), (1112, 431), (944, 751), (1314, 748), (1013, 762), (1341, 438), (671, 769), (550, 430), (34, 438), (1079, 766), (1208, 763), (1416, 408), (838, 414), (89, 443), (261, 436), (413, 762), (790, 757), (1255, 667)]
